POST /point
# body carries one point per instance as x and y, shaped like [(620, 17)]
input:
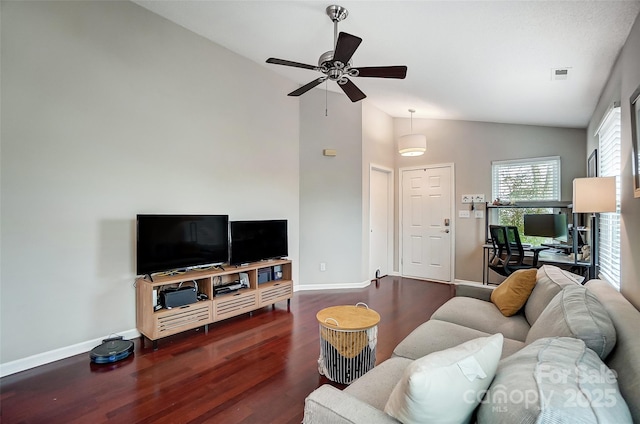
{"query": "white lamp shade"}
[(412, 144), (594, 195)]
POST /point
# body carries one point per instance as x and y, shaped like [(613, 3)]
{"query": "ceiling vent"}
[(559, 74)]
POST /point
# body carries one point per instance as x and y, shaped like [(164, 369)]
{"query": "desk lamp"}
[(594, 196)]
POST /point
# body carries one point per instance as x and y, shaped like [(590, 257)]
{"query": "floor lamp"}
[(594, 196)]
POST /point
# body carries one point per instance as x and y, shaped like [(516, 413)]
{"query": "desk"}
[(543, 256)]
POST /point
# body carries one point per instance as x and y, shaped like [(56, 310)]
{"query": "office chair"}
[(508, 253)]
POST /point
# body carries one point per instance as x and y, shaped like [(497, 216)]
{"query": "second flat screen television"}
[(253, 241)]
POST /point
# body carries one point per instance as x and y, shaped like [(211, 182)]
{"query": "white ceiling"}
[(471, 60)]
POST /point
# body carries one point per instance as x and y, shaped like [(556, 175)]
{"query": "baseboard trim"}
[(332, 286), (57, 354), (468, 282), (44, 358)]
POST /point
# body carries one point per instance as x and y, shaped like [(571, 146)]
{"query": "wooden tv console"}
[(155, 325)]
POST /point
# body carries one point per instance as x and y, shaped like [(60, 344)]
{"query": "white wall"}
[(472, 146), (623, 81), (109, 111), (330, 191)]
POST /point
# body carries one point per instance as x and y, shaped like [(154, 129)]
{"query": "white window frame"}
[(610, 164), (497, 166)]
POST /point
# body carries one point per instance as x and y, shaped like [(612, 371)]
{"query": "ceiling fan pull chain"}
[(326, 98)]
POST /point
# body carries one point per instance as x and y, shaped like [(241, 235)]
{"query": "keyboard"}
[(560, 246)]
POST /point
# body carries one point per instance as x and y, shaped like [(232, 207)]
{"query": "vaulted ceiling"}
[(490, 61)]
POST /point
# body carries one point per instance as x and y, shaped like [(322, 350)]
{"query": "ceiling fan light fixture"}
[(412, 144)]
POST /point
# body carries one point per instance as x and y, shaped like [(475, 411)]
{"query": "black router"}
[(111, 350)]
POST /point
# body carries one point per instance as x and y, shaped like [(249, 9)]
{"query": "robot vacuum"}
[(111, 350)]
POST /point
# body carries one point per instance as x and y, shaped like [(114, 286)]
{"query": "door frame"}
[(452, 255), (390, 216)]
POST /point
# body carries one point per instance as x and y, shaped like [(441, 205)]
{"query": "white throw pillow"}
[(446, 386)]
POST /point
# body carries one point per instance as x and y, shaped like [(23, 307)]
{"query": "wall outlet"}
[(323, 266), (463, 214), (479, 214)]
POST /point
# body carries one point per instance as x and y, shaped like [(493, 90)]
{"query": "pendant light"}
[(412, 144)]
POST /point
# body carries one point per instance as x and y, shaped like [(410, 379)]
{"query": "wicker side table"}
[(348, 338)]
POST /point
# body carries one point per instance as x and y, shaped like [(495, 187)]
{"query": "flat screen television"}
[(253, 241), (546, 225), (167, 242)]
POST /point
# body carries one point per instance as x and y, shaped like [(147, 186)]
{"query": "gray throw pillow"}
[(576, 312), (550, 280), (554, 380)]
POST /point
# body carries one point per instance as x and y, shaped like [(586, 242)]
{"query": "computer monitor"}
[(546, 225)]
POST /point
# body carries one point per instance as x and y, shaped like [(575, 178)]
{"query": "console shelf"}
[(156, 324)]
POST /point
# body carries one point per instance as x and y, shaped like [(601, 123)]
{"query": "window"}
[(526, 179), (533, 179), (610, 164)]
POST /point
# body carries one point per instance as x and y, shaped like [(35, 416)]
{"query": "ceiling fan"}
[(336, 64)]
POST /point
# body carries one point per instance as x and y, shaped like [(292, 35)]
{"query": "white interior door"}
[(380, 221), (426, 223)]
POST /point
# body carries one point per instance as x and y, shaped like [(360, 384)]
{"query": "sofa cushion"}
[(575, 312), (436, 387), (551, 381), (510, 296), (549, 281), (624, 357), (435, 335), (482, 316), (375, 386), (329, 405)]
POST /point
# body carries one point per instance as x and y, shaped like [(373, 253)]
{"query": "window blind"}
[(526, 179), (610, 164)]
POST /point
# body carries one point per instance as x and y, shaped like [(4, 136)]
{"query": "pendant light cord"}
[(411, 111)]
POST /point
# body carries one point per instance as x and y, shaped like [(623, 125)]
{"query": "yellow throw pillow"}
[(512, 294)]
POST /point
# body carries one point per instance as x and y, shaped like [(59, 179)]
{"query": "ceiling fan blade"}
[(399, 72), (290, 63), (346, 47), (307, 87), (353, 92)]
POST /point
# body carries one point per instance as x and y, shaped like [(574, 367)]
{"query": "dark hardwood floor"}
[(249, 369)]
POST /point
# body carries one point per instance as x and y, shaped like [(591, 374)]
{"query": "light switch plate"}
[(479, 214), (463, 214)]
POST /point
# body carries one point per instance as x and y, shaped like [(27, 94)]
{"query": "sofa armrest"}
[(476, 291), (328, 405)]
